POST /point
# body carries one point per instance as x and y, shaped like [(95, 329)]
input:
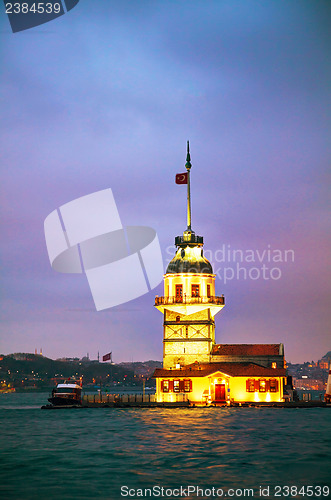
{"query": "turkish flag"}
[(106, 357), (181, 178)]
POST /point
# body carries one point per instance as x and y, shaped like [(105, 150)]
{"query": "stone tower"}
[(189, 304)]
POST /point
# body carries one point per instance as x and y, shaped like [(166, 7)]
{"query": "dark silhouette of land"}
[(25, 370)]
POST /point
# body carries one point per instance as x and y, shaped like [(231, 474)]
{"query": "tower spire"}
[(188, 166)]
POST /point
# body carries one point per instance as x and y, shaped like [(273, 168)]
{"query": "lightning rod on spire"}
[(188, 166)]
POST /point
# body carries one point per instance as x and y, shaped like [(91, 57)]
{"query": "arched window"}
[(250, 385), (262, 385), (179, 293)]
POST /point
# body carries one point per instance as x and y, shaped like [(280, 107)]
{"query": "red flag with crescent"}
[(181, 178)]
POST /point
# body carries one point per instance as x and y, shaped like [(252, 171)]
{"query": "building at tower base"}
[(222, 382)]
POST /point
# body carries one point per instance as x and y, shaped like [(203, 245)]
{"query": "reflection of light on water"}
[(216, 466), (8, 407), (214, 446)]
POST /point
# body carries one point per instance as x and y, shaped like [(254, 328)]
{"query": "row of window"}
[(176, 385), (195, 291), (261, 385), (252, 385)]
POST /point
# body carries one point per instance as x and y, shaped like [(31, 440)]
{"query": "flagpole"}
[(188, 168)]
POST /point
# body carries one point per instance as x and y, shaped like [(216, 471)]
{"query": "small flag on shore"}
[(181, 178), (106, 357)]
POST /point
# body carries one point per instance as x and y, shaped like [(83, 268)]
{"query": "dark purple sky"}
[(106, 96)]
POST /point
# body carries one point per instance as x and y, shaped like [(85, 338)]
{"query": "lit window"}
[(273, 365), (179, 292), (165, 385), (262, 386), (250, 385), (187, 385), (176, 385), (273, 385), (195, 291)]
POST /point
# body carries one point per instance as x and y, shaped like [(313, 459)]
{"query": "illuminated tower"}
[(189, 304)]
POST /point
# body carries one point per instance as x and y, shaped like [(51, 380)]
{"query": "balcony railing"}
[(118, 398), (188, 239), (189, 299)]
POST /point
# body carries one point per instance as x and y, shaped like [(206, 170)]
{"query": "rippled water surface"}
[(91, 453)]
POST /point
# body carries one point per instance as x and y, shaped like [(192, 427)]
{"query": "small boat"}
[(68, 393)]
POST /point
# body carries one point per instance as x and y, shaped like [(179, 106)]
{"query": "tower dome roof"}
[(189, 260)]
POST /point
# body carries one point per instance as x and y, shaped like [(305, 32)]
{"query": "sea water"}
[(109, 453)]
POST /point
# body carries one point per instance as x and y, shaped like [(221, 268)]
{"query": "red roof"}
[(246, 349), (231, 369)]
